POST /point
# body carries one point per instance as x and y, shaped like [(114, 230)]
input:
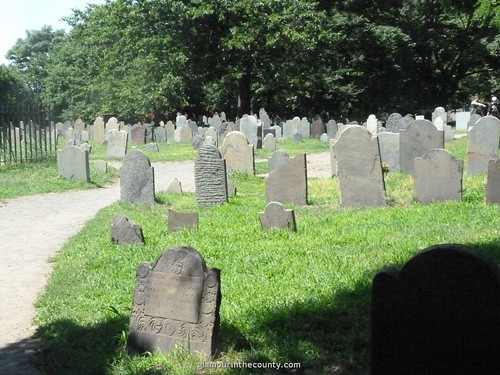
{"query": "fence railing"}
[(26, 135)]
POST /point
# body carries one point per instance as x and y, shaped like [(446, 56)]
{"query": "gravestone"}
[(125, 231), (269, 143), (438, 177), (175, 187), (317, 128), (482, 144), (111, 125), (441, 113), (182, 220), (473, 119), (493, 182), (210, 177), (389, 149), (209, 140), (304, 128), (73, 163), (372, 124), (278, 158), (439, 315), (421, 136), (84, 136), (359, 168), (405, 121), (138, 134), (288, 182), (152, 147), (170, 128), (101, 165), (264, 118), (215, 122), (175, 304), (69, 135), (185, 134), (462, 118), (331, 129), (276, 216), (392, 123), (249, 127), (160, 134), (238, 153), (137, 183), (99, 131), (117, 144), (79, 125)]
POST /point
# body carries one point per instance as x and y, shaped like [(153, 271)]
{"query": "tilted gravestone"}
[(73, 163), (175, 304), (125, 231), (482, 144), (175, 187), (137, 183), (276, 216), (288, 182), (420, 136), (438, 177), (238, 153), (439, 315), (493, 182), (359, 168), (389, 149), (182, 220), (210, 177)]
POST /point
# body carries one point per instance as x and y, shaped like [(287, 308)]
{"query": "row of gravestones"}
[(439, 315)]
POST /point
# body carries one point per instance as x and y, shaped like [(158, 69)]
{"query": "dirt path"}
[(34, 228)]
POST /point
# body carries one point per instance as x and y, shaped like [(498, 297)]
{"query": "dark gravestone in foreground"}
[(124, 231), (440, 315), (176, 303)]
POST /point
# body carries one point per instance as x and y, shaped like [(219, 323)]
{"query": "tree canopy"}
[(345, 58)]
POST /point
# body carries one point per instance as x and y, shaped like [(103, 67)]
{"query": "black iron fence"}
[(26, 135)]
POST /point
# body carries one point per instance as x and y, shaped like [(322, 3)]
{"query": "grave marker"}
[(137, 183), (210, 177), (276, 216)]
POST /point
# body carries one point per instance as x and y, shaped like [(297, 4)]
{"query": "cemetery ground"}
[(301, 297)]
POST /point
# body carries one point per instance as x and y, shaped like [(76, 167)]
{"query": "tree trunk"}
[(244, 95)]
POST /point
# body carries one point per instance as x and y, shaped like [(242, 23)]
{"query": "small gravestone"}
[(175, 304), (175, 187), (317, 128), (160, 134), (117, 144), (101, 165), (392, 125), (493, 182), (73, 163), (269, 142), (389, 149), (297, 138), (99, 131), (79, 125), (125, 231), (372, 124), (482, 144), (138, 134), (278, 158), (288, 182), (238, 153), (152, 147), (182, 220), (276, 216), (137, 183), (197, 142), (331, 129), (210, 177), (438, 177), (439, 315)]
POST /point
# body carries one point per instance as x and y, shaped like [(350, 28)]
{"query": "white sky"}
[(17, 16)]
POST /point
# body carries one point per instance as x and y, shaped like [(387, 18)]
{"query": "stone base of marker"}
[(276, 216), (176, 304), (182, 220), (124, 231)]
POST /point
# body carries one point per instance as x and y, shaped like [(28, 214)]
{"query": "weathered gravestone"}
[(482, 144), (73, 163), (125, 231), (210, 177), (182, 220), (288, 182), (493, 182), (269, 143), (389, 149), (160, 134), (317, 128), (238, 153), (117, 144), (420, 136), (249, 127), (359, 168), (99, 130), (392, 123), (462, 118), (137, 183), (372, 124), (473, 119), (276, 216), (175, 304), (79, 125), (138, 134), (440, 315), (278, 158), (175, 187), (438, 177)]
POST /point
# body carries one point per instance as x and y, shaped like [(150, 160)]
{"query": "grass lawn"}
[(299, 297)]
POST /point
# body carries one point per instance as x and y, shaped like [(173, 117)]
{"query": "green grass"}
[(299, 297)]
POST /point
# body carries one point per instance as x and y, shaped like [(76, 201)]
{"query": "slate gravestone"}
[(276, 216), (182, 220), (493, 182), (175, 304), (175, 187), (138, 134), (125, 231), (288, 182), (160, 134), (482, 144), (317, 128), (170, 128), (438, 177), (331, 129), (79, 125), (210, 177), (473, 119), (278, 158), (73, 163), (389, 149), (359, 168), (269, 143), (99, 130), (264, 118), (185, 134), (440, 315), (392, 125), (405, 121), (249, 127), (238, 153), (420, 136), (117, 144), (137, 183)]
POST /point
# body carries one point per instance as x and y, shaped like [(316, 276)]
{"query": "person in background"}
[(493, 109), (477, 106)]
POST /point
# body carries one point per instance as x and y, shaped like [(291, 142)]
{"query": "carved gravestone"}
[(493, 182), (391, 124), (238, 153), (276, 216), (288, 182), (73, 163), (137, 183), (125, 231), (438, 177), (482, 144), (439, 315), (176, 304), (182, 220), (359, 168), (210, 177)]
